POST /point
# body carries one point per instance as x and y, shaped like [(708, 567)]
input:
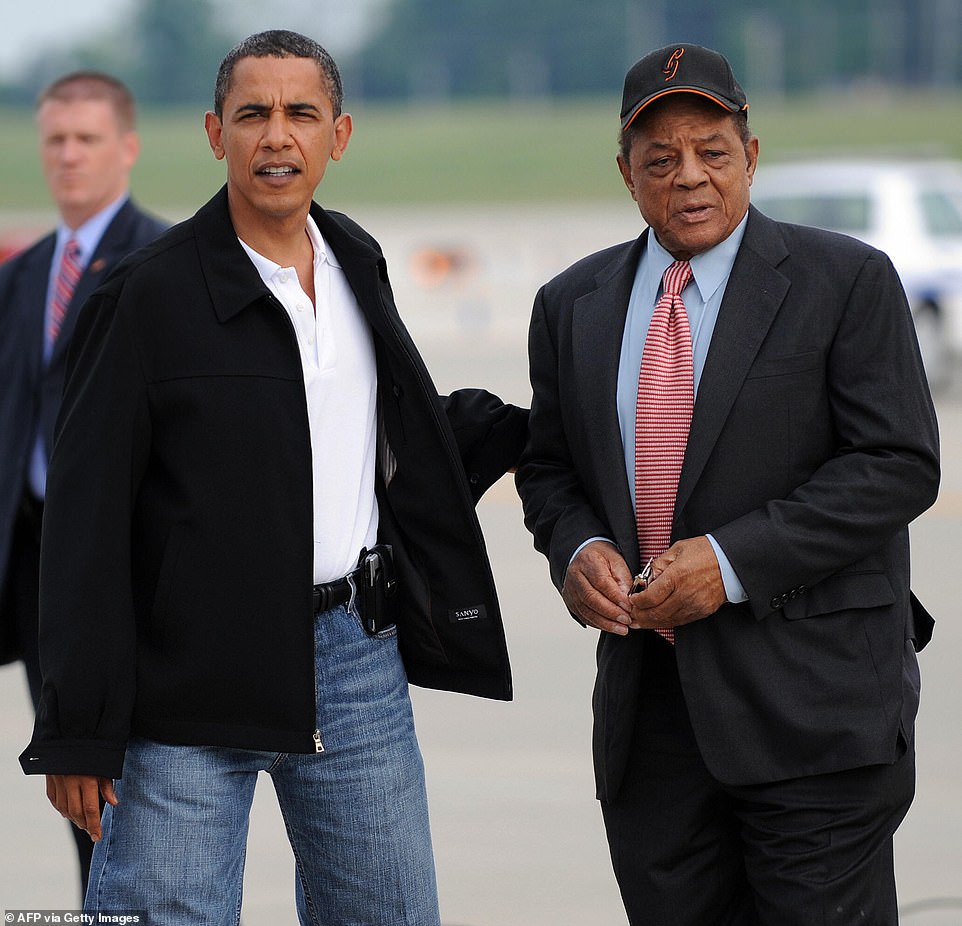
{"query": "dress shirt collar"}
[(322, 251), (266, 268), (89, 234), (709, 269)]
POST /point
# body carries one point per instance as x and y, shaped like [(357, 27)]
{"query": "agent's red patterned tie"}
[(666, 395), (63, 287)]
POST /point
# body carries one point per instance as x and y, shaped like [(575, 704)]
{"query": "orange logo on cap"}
[(671, 65)]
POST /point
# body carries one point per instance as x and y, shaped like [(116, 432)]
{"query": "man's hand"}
[(596, 587), (77, 797), (687, 586)]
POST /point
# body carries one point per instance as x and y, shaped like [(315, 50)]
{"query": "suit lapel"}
[(755, 292), (598, 327), (32, 307)]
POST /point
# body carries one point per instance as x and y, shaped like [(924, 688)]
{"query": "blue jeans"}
[(356, 814)]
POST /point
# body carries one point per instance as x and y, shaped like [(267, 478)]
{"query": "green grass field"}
[(493, 152)]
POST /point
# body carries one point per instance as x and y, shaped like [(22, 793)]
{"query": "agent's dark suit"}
[(813, 444), (30, 400)]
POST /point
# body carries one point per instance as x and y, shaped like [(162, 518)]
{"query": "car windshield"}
[(842, 212), (942, 214)]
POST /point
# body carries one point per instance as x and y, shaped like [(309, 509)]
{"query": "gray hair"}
[(626, 137), (279, 43)]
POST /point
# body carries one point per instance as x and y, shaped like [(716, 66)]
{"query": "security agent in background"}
[(742, 403), (260, 527), (88, 146)]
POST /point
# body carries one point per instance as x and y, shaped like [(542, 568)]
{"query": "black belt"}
[(375, 585), (331, 594)]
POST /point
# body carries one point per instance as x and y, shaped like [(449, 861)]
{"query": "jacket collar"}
[(232, 280)]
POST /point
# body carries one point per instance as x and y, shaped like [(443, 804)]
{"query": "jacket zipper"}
[(273, 300)]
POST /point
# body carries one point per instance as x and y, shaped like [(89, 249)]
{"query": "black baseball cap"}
[(680, 69)]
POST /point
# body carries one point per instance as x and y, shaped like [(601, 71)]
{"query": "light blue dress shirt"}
[(703, 298)]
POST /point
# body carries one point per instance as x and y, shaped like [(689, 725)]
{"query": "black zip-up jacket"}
[(177, 551)]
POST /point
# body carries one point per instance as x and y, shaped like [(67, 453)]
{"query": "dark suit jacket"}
[(176, 589), (813, 444), (30, 392)]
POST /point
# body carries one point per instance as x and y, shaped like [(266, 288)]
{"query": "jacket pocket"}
[(843, 591), (922, 625), (784, 366)]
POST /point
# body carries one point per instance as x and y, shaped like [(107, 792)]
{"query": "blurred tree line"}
[(167, 53), (441, 49), (548, 47)]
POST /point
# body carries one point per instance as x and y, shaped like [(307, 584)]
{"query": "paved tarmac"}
[(518, 835)]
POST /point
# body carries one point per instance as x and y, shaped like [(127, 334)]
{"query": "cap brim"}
[(729, 105)]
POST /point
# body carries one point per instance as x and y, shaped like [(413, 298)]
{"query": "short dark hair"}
[(279, 43), (94, 85), (739, 119)]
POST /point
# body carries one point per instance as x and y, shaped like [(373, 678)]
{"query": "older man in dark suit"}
[(739, 406), (88, 146)]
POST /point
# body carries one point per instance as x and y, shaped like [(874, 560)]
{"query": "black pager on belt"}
[(377, 589)]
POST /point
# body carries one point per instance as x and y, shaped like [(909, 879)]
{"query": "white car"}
[(912, 210)]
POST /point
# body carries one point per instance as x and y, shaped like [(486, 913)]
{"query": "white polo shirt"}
[(340, 381)]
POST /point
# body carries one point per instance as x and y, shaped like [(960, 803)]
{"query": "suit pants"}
[(20, 610), (688, 850)]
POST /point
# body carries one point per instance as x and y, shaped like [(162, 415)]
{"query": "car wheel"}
[(935, 355)]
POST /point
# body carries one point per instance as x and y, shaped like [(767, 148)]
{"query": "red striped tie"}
[(666, 396), (63, 288)]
